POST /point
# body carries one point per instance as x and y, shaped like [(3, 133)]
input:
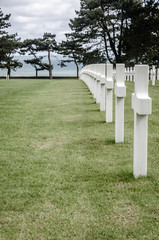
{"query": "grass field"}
[(62, 177)]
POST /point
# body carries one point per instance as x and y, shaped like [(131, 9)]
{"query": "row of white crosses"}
[(129, 74), (153, 74), (100, 80)]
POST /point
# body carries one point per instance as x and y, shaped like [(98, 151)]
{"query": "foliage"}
[(72, 49), (75, 50), (102, 23), (142, 44), (35, 46), (29, 46), (9, 45), (124, 29), (4, 22), (38, 64)]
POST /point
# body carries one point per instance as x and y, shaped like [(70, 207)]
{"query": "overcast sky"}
[(31, 18)]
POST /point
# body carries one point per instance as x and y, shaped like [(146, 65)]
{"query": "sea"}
[(28, 71)]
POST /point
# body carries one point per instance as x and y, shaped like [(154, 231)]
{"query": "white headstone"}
[(109, 92), (98, 84), (142, 105), (120, 92), (101, 68)]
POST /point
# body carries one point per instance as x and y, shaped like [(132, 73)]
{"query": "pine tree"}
[(72, 49), (127, 30), (9, 45), (36, 46), (38, 64), (75, 49), (102, 24)]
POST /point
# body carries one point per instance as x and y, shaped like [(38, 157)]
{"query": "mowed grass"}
[(62, 177)]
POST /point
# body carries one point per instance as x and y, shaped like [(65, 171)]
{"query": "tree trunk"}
[(77, 67), (50, 65), (106, 48), (8, 72), (36, 72), (50, 73)]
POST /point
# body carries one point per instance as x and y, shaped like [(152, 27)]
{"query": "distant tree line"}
[(118, 31)]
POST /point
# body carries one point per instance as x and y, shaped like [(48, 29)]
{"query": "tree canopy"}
[(4, 22), (9, 45), (76, 49), (34, 47), (126, 30), (142, 36)]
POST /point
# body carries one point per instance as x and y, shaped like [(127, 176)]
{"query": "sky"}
[(31, 18)]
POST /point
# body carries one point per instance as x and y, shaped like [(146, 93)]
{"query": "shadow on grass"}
[(96, 141), (99, 177), (93, 110), (91, 103), (109, 141), (95, 122), (84, 124)]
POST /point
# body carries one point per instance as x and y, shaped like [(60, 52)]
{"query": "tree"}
[(48, 44), (37, 64), (75, 51), (30, 46), (35, 46), (9, 45), (72, 50), (113, 24), (102, 23)]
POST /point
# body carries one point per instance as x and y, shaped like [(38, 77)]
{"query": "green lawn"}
[(62, 177)]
